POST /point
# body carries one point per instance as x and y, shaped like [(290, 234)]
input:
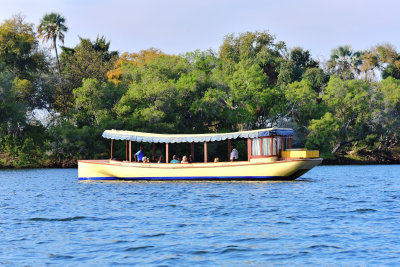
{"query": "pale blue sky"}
[(179, 26)]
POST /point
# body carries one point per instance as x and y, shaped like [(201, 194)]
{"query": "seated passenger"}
[(216, 160), (175, 159), (234, 154), (145, 159), (139, 155), (184, 160), (161, 159)]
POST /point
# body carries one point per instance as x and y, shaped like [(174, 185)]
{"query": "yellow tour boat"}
[(270, 156)]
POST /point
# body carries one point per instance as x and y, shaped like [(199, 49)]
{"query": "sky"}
[(180, 26)]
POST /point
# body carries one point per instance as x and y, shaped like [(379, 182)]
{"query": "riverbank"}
[(347, 161), (326, 162)]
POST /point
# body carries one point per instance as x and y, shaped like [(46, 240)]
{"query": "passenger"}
[(216, 160), (190, 159), (175, 159), (234, 154), (184, 160), (161, 159), (145, 160), (139, 155)]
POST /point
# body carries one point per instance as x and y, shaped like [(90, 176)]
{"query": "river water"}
[(333, 215)]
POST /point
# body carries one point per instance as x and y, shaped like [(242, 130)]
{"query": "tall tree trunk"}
[(58, 62), (64, 101)]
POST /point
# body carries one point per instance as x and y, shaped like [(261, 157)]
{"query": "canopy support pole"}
[(154, 150), (166, 153), (192, 150), (130, 151), (229, 149), (249, 149), (112, 147), (205, 152)]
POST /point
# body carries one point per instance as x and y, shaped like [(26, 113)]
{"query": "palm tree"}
[(344, 61), (370, 62), (52, 26)]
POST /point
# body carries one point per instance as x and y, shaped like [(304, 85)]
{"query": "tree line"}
[(54, 109)]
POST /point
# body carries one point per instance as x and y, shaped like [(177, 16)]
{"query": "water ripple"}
[(138, 248), (58, 219), (363, 210)]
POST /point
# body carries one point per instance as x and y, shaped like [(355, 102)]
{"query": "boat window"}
[(279, 144), (255, 147), (266, 146), (269, 146), (285, 143)]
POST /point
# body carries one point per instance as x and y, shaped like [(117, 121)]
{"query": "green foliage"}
[(297, 63), (391, 71), (153, 97), (252, 82), (12, 111), (22, 89), (247, 85), (17, 46), (388, 60), (94, 101), (304, 102), (68, 143), (316, 78), (390, 89), (387, 117), (252, 48), (350, 104), (87, 60), (322, 134), (25, 151)]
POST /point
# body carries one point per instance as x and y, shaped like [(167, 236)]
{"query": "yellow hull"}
[(255, 169)]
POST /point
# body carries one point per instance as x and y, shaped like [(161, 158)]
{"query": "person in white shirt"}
[(234, 154), (184, 159)]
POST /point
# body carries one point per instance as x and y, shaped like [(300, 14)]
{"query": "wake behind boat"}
[(270, 156)]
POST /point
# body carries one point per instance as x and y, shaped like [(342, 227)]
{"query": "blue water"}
[(334, 215)]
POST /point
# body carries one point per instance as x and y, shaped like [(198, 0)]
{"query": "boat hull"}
[(246, 170)]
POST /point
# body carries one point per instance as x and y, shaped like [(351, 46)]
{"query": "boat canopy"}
[(188, 138)]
